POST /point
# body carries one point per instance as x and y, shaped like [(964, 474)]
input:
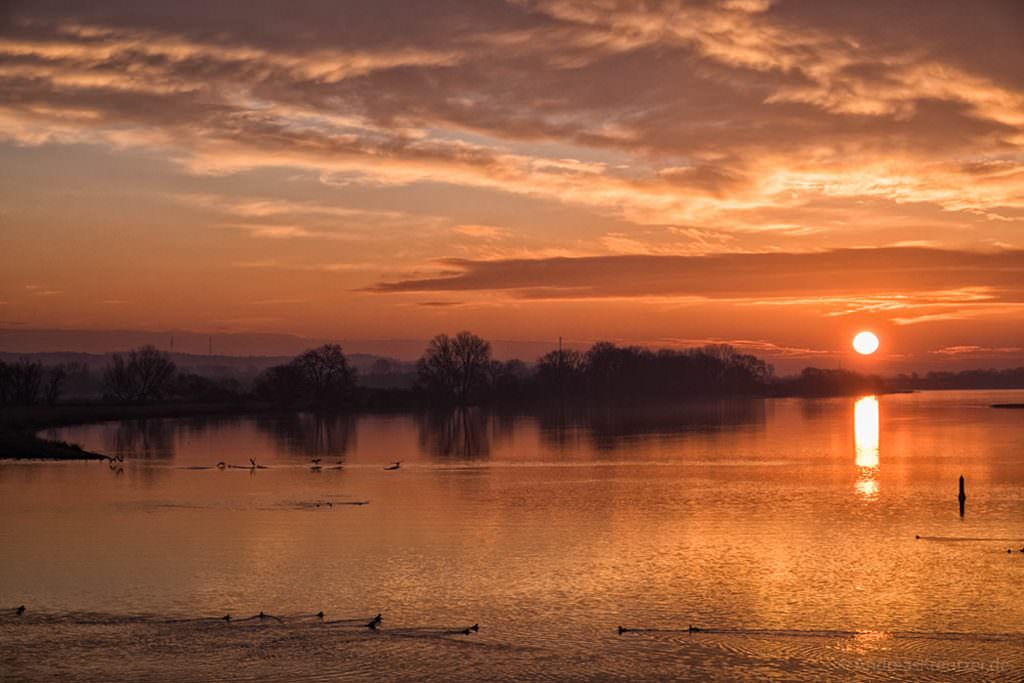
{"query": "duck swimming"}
[(20, 610), (396, 466), (375, 622)]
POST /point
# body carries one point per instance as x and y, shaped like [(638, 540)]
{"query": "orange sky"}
[(773, 174)]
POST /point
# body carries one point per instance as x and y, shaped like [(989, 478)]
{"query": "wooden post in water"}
[(963, 496)]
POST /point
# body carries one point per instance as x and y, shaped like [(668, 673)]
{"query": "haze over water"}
[(785, 528)]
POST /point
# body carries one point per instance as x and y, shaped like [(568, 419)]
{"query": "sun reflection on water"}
[(865, 434)]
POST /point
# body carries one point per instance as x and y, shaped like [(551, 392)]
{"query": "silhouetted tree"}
[(24, 381), (509, 379), (611, 371), (5, 383), (320, 377), (560, 370), (328, 375), (284, 385), (145, 375), (832, 382), (55, 377), (193, 387), (455, 369)]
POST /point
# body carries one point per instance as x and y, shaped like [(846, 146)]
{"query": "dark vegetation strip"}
[(454, 371)]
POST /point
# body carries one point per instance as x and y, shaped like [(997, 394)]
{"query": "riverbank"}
[(20, 425)]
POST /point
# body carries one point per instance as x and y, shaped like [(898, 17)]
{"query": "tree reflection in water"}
[(464, 433), (608, 425), (308, 435)]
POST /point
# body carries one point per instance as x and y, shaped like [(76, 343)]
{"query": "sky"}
[(772, 174)]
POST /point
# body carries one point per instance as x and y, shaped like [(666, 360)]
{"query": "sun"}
[(865, 343)]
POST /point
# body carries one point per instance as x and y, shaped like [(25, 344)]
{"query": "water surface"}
[(785, 529)]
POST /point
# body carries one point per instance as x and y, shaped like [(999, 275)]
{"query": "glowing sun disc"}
[(865, 343)]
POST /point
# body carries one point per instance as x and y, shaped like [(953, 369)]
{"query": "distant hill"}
[(240, 344), (208, 366)]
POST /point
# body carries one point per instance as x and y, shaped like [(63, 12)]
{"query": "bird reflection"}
[(865, 435)]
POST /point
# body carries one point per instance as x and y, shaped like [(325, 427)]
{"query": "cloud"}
[(761, 347), (994, 276), (439, 304), (973, 350), (41, 290), (722, 112), (485, 232)]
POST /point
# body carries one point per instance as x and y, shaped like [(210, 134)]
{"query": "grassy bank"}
[(19, 424)]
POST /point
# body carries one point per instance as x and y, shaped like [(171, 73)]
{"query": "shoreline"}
[(20, 426)]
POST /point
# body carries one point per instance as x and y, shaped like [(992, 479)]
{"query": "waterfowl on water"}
[(694, 629), (622, 629), (222, 465), (375, 622), (320, 615), (20, 610), (397, 465), (262, 616), (226, 618)]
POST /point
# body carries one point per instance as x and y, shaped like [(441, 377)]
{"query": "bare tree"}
[(455, 369), (144, 376), (26, 381), (117, 380), (281, 384), (327, 373), (6, 383), (55, 377), (153, 370)]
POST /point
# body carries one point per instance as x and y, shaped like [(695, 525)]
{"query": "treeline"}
[(29, 382), (828, 382), (143, 375), (1010, 378), (459, 370)]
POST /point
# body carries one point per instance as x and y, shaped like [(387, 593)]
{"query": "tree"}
[(26, 381), (147, 374), (284, 385), (6, 383), (561, 370), (455, 369), (55, 378), (328, 376), (321, 376)]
